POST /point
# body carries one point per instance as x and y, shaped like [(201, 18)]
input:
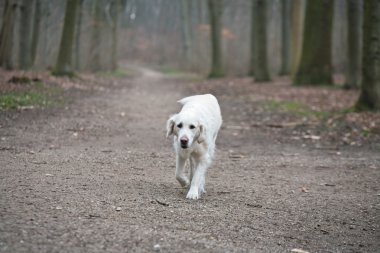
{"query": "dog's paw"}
[(193, 194), (184, 181)]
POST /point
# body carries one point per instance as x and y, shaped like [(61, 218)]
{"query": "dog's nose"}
[(184, 141)]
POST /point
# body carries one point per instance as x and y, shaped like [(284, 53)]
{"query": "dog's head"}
[(187, 130)]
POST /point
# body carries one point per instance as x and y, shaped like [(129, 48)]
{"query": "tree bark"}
[(78, 34), (286, 37), (95, 44), (215, 12), (260, 36), (115, 10), (315, 66), (186, 27), (354, 19), (252, 58), (369, 98), (36, 31), (64, 64), (298, 14), (26, 9), (7, 34)]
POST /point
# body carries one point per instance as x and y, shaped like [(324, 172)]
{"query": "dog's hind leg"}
[(180, 172)]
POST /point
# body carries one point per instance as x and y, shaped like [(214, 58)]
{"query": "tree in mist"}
[(64, 64), (315, 67), (7, 33), (354, 19), (96, 37), (286, 37), (215, 12), (26, 15), (186, 31), (259, 35), (369, 98), (36, 31), (297, 24), (116, 6)]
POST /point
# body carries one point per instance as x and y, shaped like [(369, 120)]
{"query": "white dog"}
[(195, 129)]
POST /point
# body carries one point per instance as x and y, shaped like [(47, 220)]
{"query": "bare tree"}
[(286, 37), (370, 89), (354, 40), (186, 31), (26, 9), (259, 14), (64, 64), (315, 66), (215, 11), (36, 31), (7, 34), (298, 13)]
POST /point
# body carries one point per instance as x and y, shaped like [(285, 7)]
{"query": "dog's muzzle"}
[(184, 141)]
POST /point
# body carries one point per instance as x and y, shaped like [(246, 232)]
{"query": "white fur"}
[(197, 123)]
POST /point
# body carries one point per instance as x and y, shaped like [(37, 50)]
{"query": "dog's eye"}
[(179, 125), (192, 126)]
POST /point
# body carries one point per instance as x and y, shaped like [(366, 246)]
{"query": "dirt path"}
[(98, 176)]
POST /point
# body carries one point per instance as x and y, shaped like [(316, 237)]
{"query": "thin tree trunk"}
[(215, 11), (315, 66), (186, 38), (64, 64), (252, 59), (298, 14), (354, 18), (95, 44), (7, 34), (26, 9), (115, 10), (78, 34), (286, 37), (260, 35), (36, 30), (370, 89)]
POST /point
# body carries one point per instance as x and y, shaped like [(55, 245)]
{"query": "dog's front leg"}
[(180, 171), (198, 180)]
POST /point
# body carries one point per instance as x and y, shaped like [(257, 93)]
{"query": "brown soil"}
[(98, 176)]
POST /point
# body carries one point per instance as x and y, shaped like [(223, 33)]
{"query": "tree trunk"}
[(215, 12), (95, 44), (260, 36), (298, 15), (64, 64), (26, 9), (286, 37), (36, 30), (78, 34), (354, 19), (186, 27), (115, 10), (315, 66), (252, 58), (7, 34), (370, 89)]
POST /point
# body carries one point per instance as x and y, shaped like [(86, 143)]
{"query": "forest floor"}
[(88, 168)]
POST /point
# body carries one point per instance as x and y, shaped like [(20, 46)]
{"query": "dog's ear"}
[(170, 126), (201, 134)]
